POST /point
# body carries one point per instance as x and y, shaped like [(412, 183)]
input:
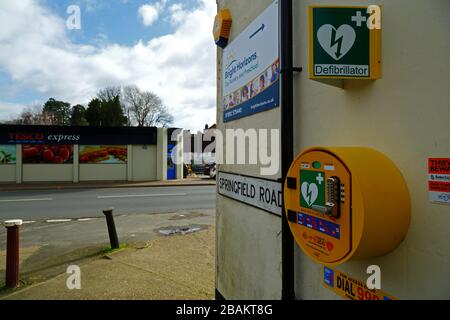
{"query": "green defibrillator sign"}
[(312, 188), (345, 42)]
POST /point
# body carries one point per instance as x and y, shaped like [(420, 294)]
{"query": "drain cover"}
[(169, 231)]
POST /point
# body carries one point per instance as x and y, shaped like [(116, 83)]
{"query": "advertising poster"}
[(171, 168), (7, 154), (103, 154), (47, 154), (251, 73)]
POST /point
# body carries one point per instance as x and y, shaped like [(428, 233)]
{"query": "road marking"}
[(142, 195), (58, 220), (26, 200), (87, 219), (29, 222)]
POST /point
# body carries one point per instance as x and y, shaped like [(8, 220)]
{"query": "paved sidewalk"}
[(191, 181), (159, 262), (177, 267)]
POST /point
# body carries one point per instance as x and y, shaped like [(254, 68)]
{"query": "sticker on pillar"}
[(351, 288), (328, 276), (312, 188), (345, 42), (439, 180)]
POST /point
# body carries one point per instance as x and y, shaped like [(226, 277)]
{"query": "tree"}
[(33, 115), (59, 112), (112, 113), (146, 108), (78, 116), (109, 93), (133, 101), (94, 113), (104, 113)]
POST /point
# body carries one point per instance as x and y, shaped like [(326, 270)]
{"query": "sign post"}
[(287, 136)]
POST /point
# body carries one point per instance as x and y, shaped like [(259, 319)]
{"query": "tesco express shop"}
[(77, 154)]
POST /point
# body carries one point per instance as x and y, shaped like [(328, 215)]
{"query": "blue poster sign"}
[(251, 73), (171, 168)]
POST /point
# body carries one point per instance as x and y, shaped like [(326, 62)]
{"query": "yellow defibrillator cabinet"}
[(346, 203)]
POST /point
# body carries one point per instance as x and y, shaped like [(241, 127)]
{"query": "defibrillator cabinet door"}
[(318, 205)]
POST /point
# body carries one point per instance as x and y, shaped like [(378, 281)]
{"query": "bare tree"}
[(146, 108), (109, 93), (133, 102), (34, 115)]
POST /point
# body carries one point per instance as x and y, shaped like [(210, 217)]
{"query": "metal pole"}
[(287, 116), (12, 253), (113, 239)]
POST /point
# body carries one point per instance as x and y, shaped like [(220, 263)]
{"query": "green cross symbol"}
[(312, 188)]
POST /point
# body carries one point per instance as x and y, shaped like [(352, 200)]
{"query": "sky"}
[(163, 46)]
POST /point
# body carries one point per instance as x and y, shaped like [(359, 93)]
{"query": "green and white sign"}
[(345, 42), (312, 188)]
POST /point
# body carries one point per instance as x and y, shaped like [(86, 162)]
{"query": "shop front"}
[(77, 154)]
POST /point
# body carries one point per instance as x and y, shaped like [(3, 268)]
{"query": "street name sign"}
[(260, 193)]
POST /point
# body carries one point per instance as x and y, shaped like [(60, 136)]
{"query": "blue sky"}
[(162, 45), (117, 19)]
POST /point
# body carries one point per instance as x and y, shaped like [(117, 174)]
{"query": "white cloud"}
[(177, 14), (150, 12), (9, 111), (180, 67)]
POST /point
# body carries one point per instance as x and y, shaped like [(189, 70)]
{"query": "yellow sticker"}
[(350, 288)]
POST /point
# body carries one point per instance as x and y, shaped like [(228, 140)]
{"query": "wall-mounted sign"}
[(47, 154), (348, 287), (14, 134), (439, 180), (259, 193), (7, 154), (251, 68), (345, 42), (103, 154)]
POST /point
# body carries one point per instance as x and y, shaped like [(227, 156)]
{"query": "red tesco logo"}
[(26, 136)]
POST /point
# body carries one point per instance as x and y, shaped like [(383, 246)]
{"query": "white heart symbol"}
[(336, 42), (309, 192)]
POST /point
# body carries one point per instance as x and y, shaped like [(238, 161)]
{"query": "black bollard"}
[(114, 240), (12, 253)]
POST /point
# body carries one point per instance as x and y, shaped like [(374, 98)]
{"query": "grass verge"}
[(109, 250)]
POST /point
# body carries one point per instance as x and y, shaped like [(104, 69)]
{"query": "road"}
[(86, 203)]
